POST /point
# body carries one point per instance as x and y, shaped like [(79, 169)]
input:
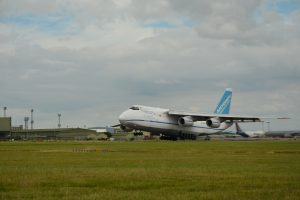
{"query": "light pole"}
[(4, 114), (59, 124), (268, 126), (31, 119), (26, 119)]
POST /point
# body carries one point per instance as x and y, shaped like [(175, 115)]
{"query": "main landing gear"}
[(178, 137)]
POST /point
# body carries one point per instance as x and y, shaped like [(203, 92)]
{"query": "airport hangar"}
[(5, 126)]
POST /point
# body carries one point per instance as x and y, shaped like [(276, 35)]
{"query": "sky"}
[(90, 60)]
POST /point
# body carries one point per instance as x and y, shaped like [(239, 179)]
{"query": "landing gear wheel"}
[(207, 138)]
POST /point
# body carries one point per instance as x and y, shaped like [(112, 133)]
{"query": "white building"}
[(101, 129)]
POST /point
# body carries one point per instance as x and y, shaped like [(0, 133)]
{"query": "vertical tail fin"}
[(224, 104), (238, 128)]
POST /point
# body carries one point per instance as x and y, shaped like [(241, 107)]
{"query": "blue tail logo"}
[(224, 104)]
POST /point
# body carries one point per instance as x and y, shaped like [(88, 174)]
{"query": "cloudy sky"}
[(90, 60)]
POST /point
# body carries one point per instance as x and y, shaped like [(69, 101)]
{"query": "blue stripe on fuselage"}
[(141, 120)]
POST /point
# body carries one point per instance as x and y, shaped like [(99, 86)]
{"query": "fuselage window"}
[(134, 108)]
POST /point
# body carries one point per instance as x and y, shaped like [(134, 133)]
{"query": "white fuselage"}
[(255, 133), (157, 120)]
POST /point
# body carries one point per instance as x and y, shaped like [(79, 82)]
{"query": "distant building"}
[(105, 129), (17, 128), (5, 127), (5, 124)]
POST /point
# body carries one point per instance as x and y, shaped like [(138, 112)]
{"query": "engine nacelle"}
[(186, 121), (125, 128), (213, 123)]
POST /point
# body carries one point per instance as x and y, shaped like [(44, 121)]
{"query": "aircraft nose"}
[(122, 117)]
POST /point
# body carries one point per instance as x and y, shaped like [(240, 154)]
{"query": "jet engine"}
[(213, 123), (125, 128), (186, 121)]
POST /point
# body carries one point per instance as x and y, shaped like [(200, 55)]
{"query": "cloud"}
[(90, 60)]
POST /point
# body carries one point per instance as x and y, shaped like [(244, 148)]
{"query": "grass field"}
[(150, 170)]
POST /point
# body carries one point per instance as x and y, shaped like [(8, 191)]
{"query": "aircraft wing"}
[(222, 117)]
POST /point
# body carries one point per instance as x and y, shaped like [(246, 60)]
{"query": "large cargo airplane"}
[(283, 134), (257, 134), (182, 125), (247, 134)]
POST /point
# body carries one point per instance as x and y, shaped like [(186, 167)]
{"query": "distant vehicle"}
[(250, 134), (175, 125)]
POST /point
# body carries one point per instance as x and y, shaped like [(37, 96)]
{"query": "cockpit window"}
[(134, 108)]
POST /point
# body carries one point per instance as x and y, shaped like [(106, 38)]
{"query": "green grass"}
[(150, 170)]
